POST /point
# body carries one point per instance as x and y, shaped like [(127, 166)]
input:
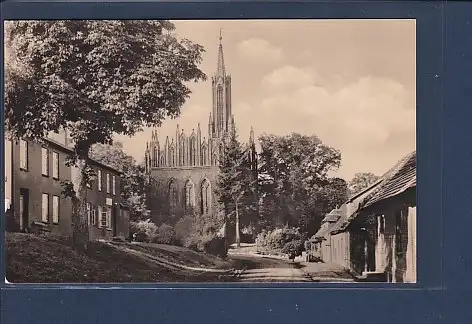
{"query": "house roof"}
[(394, 182), (332, 216)]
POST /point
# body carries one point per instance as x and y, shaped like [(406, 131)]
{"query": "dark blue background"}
[(444, 146)]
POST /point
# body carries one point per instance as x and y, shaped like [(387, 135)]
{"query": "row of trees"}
[(293, 187)]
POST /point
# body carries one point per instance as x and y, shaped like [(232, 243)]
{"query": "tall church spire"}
[(220, 71), (221, 90)]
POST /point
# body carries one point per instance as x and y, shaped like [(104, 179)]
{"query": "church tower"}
[(222, 117)]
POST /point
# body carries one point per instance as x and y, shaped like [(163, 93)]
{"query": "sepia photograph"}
[(209, 151)]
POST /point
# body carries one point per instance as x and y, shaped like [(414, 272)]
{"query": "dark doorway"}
[(114, 218), (24, 210)]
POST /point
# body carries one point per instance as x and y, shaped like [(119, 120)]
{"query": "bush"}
[(203, 235), (165, 234), (146, 231), (273, 242), (296, 246), (183, 229)]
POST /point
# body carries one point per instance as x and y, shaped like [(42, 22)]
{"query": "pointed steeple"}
[(251, 136), (220, 71)]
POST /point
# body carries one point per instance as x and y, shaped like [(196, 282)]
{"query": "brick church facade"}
[(183, 170)]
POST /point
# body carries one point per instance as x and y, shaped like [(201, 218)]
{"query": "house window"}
[(89, 213), (94, 215), (45, 208), (45, 161), (107, 217), (108, 183), (114, 185), (55, 209), (100, 210), (23, 155), (99, 180), (55, 165)]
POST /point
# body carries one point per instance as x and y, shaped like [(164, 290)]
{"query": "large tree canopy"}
[(294, 178), (94, 78)]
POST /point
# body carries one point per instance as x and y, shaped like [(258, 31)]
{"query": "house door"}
[(24, 210), (114, 217)]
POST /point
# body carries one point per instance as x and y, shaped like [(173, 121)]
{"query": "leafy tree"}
[(295, 187), (362, 181), (133, 184), (94, 78), (235, 183)]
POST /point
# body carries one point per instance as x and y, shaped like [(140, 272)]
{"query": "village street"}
[(261, 268)]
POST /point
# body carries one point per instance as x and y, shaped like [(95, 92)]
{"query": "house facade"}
[(375, 234), (34, 173)]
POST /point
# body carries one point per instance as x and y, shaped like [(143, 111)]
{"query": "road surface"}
[(258, 268)]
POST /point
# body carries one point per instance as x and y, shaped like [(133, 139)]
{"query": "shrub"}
[(165, 234), (146, 231), (203, 235), (274, 241), (297, 246), (183, 229)]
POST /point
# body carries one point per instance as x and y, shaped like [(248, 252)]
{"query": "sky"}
[(352, 83)]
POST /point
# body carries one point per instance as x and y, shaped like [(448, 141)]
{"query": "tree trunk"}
[(80, 229), (237, 238)]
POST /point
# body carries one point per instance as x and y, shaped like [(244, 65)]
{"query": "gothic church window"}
[(204, 156), (193, 151), (162, 160), (205, 197), (172, 156), (182, 151), (189, 196), (172, 196), (155, 156)]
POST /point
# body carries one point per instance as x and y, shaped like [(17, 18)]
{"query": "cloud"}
[(290, 76), (360, 119), (260, 50)]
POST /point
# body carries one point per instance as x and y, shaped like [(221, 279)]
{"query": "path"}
[(259, 268)]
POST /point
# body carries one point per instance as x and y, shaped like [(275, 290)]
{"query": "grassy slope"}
[(41, 259)]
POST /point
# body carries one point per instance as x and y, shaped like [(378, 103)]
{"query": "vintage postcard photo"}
[(210, 151)]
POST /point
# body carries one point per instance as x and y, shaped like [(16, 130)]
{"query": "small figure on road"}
[(291, 256)]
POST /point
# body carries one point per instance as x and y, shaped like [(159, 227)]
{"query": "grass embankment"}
[(47, 259)]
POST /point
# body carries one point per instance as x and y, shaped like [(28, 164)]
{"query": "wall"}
[(395, 251), (410, 274), (8, 173), (162, 178), (122, 224), (102, 198), (37, 184), (340, 243)]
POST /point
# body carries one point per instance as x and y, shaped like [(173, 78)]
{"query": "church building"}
[(183, 170)]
